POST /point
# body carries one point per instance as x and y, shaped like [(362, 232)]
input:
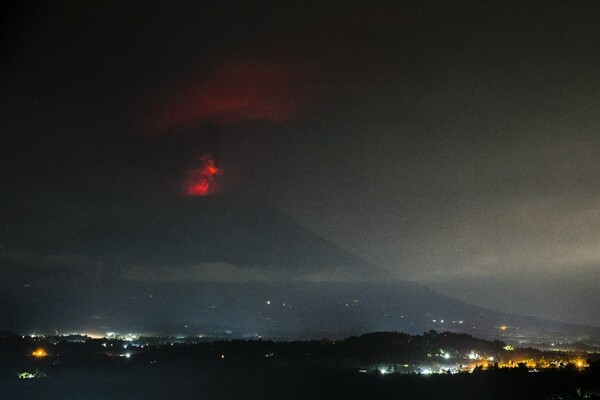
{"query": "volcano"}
[(301, 285)]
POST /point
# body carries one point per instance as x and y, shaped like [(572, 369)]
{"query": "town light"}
[(39, 353)]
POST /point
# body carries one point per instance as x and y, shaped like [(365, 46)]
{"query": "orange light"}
[(39, 353)]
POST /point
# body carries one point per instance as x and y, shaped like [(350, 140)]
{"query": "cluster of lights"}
[(442, 321), (28, 375), (130, 337), (486, 361)]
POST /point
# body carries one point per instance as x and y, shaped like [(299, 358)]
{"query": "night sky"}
[(452, 143)]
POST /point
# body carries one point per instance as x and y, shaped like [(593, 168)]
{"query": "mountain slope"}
[(288, 310), (214, 229)]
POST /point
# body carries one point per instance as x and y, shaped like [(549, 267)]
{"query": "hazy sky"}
[(450, 142)]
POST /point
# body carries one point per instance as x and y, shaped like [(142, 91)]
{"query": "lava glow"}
[(200, 179)]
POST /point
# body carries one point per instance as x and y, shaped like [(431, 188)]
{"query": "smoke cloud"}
[(235, 92)]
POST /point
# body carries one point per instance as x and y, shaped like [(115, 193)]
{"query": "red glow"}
[(200, 179), (235, 92)]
